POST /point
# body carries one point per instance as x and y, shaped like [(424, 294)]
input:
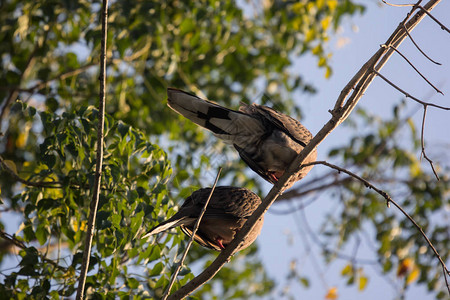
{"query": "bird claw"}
[(219, 243)]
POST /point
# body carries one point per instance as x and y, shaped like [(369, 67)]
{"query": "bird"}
[(227, 211), (266, 140)]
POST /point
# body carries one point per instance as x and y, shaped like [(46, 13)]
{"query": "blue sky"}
[(283, 237)]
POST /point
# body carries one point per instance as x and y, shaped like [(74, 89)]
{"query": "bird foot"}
[(219, 243)]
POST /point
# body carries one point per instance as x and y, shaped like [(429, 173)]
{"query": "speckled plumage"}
[(226, 213), (267, 140)]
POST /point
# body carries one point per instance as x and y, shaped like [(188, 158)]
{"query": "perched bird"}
[(267, 140), (227, 211)]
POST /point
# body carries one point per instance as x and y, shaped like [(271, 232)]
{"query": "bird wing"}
[(293, 128), (227, 202), (250, 161)]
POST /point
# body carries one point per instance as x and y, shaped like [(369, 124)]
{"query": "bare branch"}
[(407, 95), (99, 160), (61, 76), (443, 27), (43, 184), (397, 5), (191, 240), (14, 241), (411, 64), (423, 142), (389, 200), (366, 183), (418, 48), (434, 19)]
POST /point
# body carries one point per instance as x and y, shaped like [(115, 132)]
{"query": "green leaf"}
[(156, 270)]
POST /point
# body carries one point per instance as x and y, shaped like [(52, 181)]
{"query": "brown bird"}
[(267, 140), (227, 211)]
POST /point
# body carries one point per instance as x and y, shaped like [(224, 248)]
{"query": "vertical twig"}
[(98, 166), (197, 224), (422, 142)]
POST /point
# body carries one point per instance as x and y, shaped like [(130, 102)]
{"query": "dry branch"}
[(12, 240), (99, 161), (359, 83), (422, 142), (46, 184), (415, 69)]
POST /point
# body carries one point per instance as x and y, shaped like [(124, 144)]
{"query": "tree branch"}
[(12, 240), (407, 95), (46, 184), (390, 200), (98, 166), (418, 72), (418, 48), (422, 142), (366, 182), (361, 80), (434, 19)]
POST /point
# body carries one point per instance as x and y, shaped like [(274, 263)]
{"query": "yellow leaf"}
[(362, 282), (83, 225), (404, 267), (332, 293), (310, 34), (21, 139), (415, 168), (11, 165), (332, 4), (320, 3), (325, 22), (328, 72), (298, 7), (413, 275), (322, 62), (347, 270)]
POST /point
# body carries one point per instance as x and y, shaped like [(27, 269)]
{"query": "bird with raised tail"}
[(227, 211), (267, 140)]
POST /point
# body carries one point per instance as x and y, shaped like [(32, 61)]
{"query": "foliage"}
[(400, 247), (226, 50)]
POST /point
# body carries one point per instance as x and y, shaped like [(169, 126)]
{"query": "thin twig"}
[(98, 165), (62, 76), (191, 240), (297, 193), (418, 48), (411, 64), (46, 184), (390, 200), (436, 253), (434, 19), (318, 242), (21, 245), (422, 140), (407, 95), (366, 183), (396, 5)]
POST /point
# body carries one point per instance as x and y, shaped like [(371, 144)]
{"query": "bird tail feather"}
[(166, 225), (223, 122)]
